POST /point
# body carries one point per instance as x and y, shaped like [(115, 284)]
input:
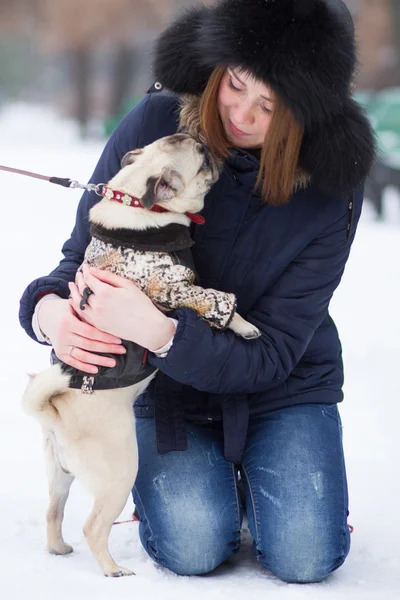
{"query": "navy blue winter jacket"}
[(283, 264)]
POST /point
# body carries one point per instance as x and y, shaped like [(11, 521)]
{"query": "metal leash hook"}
[(91, 187)]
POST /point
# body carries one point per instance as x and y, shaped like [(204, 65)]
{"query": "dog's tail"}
[(36, 400)]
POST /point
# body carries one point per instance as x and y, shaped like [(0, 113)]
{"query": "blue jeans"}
[(295, 492)]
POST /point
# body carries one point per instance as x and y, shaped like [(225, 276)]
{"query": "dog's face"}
[(174, 172)]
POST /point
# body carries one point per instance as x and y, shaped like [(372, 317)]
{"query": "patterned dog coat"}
[(159, 261)]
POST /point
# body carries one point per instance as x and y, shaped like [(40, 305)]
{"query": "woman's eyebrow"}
[(242, 82)]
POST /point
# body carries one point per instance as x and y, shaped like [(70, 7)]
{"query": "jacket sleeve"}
[(287, 315), (126, 137)]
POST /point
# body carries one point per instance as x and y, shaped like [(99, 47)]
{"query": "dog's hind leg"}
[(59, 484), (107, 507)]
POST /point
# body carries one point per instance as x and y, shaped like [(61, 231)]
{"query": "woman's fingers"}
[(95, 346), (76, 364), (80, 282), (76, 356), (94, 278), (86, 339), (79, 354), (76, 299), (91, 333), (84, 279), (87, 358), (83, 340), (81, 365)]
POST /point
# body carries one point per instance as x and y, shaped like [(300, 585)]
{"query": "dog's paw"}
[(253, 334), (60, 549), (246, 330), (120, 572)]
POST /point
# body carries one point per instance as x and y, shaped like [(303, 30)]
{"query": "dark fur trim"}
[(176, 63), (304, 49), (340, 154)]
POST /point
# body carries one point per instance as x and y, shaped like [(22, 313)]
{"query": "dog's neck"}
[(112, 215)]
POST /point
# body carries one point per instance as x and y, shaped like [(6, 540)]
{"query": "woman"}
[(267, 85)]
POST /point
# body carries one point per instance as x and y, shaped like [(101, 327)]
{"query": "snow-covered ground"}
[(37, 218)]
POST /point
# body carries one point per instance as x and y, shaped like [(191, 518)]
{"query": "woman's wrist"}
[(163, 335), (36, 324)]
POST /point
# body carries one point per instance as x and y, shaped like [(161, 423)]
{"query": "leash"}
[(101, 190), (133, 520), (63, 181)]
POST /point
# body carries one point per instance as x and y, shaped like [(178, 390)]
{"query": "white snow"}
[(38, 217)]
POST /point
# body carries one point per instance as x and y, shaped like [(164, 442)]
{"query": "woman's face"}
[(245, 106)]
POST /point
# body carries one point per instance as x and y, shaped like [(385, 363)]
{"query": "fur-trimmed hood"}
[(304, 50)]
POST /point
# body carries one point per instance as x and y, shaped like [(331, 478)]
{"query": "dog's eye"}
[(206, 162)]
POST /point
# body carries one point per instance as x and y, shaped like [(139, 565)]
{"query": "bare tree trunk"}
[(80, 63), (122, 75)]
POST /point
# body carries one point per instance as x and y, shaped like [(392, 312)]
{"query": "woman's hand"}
[(118, 307), (75, 341)]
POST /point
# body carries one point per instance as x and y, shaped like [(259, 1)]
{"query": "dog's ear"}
[(158, 189), (130, 157)]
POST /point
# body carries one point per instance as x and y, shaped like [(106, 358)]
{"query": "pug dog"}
[(140, 230)]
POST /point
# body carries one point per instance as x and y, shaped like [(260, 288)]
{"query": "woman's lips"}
[(235, 130)]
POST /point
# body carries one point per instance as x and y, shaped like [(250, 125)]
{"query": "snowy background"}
[(38, 217)]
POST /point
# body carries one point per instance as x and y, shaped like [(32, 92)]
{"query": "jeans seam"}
[(237, 503), (344, 486), (253, 502), (147, 523)]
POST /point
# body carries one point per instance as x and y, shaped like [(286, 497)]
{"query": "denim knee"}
[(306, 561), (194, 547), (190, 515)]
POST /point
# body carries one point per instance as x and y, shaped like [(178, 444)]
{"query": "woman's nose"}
[(243, 114)]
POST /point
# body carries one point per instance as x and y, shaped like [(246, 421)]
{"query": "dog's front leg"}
[(172, 288)]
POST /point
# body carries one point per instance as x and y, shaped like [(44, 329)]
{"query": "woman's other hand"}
[(74, 340), (118, 307)]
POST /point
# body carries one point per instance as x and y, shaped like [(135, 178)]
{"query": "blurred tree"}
[(77, 33), (16, 21), (395, 8), (71, 23), (77, 28), (15, 12)]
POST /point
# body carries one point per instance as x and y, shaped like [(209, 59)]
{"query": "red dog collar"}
[(135, 203)]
